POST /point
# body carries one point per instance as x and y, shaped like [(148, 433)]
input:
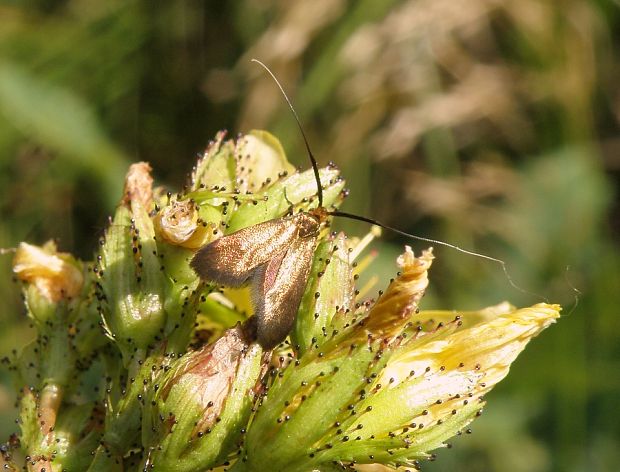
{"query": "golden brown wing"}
[(278, 287), (232, 259)]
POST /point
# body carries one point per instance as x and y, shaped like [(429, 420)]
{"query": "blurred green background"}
[(491, 124)]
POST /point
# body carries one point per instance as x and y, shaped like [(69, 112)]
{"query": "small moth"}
[(275, 257)]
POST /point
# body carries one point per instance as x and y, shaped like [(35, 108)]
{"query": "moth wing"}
[(278, 287), (232, 259)]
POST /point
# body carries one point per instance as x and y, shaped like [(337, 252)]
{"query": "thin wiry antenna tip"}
[(315, 167), (500, 262)]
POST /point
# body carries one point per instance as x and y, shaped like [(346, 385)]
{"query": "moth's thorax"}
[(309, 223)]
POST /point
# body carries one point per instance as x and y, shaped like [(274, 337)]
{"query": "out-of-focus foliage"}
[(492, 124)]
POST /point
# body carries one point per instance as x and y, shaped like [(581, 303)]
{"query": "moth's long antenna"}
[(440, 243), (576, 291), (315, 167)]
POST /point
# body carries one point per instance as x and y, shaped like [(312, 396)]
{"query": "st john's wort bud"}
[(53, 296), (50, 277), (250, 181), (246, 164), (329, 290), (130, 276), (196, 412)]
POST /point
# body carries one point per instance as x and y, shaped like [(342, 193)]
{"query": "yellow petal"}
[(400, 301), (55, 274), (487, 348)]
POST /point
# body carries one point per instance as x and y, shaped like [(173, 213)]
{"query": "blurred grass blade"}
[(61, 121)]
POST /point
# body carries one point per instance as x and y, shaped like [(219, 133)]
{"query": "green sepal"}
[(261, 159), (295, 190), (76, 437), (174, 412), (39, 308), (132, 281), (86, 333), (31, 437), (399, 450), (332, 278), (299, 414), (217, 166), (181, 296), (124, 416)]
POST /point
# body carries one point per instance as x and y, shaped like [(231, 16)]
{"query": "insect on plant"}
[(275, 257)]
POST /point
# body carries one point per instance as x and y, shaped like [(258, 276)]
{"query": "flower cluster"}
[(139, 364)]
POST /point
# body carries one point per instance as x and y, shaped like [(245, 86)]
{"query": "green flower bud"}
[(50, 276), (245, 165), (294, 190), (130, 276), (260, 160), (332, 279), (195, 415), (58, 294)]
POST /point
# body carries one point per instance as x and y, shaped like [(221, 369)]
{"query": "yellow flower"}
[(394, 308), (453, 365), (55, 274)]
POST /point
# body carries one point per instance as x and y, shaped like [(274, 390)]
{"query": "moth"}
[(275, 257)]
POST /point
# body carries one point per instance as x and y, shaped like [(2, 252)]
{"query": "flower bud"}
[(130, 277), (199, 408), (295, 189), (260, 160), (246, 164), (56, 275), (216, 167)]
